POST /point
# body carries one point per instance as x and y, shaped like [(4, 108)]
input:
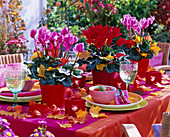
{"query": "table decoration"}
[(139, 46), (51, 67), (102, 56), (153, 77)]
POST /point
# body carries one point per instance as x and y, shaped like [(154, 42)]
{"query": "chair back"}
[(11, 58), (165, 49), (165, 129)]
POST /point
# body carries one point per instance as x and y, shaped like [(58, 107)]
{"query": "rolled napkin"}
[(122, 99)]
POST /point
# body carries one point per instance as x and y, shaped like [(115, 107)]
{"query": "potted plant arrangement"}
[(139, 46), (51, 66), (101, 55)]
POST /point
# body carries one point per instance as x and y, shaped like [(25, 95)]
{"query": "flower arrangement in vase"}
[(51, 66)]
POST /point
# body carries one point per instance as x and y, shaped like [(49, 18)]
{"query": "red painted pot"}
[(102, 77), (53, 94), (143, 66)]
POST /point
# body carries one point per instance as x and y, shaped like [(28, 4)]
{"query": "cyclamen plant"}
[(50, 65), (140, 45), (101, 53), (5, 130)]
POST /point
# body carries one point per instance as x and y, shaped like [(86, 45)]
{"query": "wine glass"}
[(128, 71), (15, 81)]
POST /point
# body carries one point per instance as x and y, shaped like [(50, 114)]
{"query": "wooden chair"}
[(11, 58), (165, 49), (130, 130)]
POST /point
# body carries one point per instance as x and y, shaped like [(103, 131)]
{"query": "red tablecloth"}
[(103, 127)]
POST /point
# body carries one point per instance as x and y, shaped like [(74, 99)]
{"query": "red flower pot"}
[(143, 66), (53, 94), (102, 77)]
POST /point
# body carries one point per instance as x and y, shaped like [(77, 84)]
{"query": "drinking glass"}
[(15, 81), (128, 71)]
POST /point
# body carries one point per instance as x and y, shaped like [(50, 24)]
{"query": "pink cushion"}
[(156, 60)]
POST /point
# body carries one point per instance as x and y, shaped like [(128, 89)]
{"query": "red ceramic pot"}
[(143, 66), (102, 77), (53, 94), (81, 81)]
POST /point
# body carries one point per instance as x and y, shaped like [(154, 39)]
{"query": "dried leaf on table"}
[(146, 88), (18, 115), (162, 71), (94, 111), (81, 117), (151, 69), (160, 85), (66, 125), (156, 93), (6, 113), (58, 116), (85, 54)]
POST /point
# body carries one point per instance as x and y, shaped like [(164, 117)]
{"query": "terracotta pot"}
[(102, 77), (53, 94)]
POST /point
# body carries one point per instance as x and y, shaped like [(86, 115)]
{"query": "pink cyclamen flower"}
[(64, 31), (33, 33), (78, 48), (10, 42), (151, 19)]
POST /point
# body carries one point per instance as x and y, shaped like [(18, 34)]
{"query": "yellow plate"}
[(133, 98), (142, 104)]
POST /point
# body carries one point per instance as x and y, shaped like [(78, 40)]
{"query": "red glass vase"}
[(102, 77), (53, 94)]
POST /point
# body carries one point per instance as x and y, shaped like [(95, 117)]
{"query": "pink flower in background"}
[(33, 33), (44, 35), (78, 48), (65, 31), (19, 45)]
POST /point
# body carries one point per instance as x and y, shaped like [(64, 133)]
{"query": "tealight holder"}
[(153, 77), (79, 82), (72, 105)]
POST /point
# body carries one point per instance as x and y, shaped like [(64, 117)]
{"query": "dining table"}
[(143, 117)]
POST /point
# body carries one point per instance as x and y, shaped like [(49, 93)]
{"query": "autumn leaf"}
[(146, 88), (108, 57), (100, 66), (57, 116), (151, 69), (138, 39), (81, 117), (51, 68), (160, 85), (41, 71), (155, 93), (36, 55), (6, 113), (66, 125), (162, 71), (94, 111), (144, 54), (85, 54), (16, 114)]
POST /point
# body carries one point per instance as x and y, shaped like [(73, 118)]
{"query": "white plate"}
[(131, 95), (21, 99)]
